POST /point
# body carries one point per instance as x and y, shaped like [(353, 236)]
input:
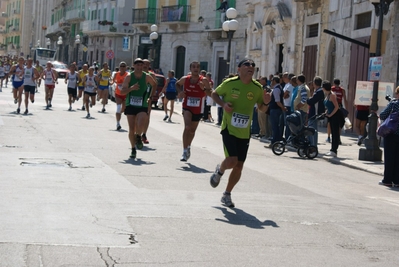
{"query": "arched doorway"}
[(331, 60), (180, 60)]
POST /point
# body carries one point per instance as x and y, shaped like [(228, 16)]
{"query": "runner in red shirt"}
[(118, 79), (195, 89)]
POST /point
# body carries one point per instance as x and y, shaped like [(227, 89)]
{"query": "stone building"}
[(288, 36)]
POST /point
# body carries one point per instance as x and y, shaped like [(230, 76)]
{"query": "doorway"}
[(180, 61)]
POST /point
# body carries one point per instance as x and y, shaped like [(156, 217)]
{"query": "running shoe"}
[(15, 101), (83, 108), (47, 107), (133, 154), (70, 108), (360, 140), (26, 112), (103, 110), (118, 127), (139, 143), (166, 117), (169, 120), (88, 116), (331, 154), (215, 177), (226, 200), (144, 139), (184, 157), (188, 152), (328, 140), (33, 101), (382, 182)]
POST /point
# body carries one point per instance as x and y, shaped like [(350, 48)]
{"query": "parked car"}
[(60, 68), (161, 83)]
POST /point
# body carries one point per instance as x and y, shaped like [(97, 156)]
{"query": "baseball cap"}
[(138, 60), (245, 60)]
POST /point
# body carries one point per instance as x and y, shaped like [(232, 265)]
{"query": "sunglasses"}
[(248, 64)]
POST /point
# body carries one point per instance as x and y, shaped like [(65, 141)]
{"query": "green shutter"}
[(112, 14), (105, 13), (152, 13), (184, 14)]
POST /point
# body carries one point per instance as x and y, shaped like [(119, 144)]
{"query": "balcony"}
[(145, 17), (91, 27), (53, 30), (75, 15), (64, 25), (116, 29), (176, 16)]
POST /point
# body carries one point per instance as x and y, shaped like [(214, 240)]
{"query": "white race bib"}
[(49, 79), (105, 78), (27, 75), (193, 101), (239, 120), (136, 101)]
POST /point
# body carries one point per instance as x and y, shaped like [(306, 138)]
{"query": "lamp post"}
[(153, 37), (59, 43), (372, 151), (38, 44), (48, 42), (230, 26), (77, 42)]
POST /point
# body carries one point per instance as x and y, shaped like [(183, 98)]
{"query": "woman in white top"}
[(50, 77), (90, 82), (17, 72)]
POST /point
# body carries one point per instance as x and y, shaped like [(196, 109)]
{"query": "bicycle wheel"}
[(301, 152), (278, 148), (311, 152)]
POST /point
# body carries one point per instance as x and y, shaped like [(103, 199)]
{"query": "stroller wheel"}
[(302, 152), (311, 152), (278, 148)]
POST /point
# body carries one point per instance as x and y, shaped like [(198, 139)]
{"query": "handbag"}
[(390, 125)]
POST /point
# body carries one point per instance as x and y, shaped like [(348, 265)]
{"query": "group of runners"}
[(134, 91)]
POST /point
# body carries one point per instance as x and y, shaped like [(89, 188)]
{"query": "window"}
[(363, 20), (105, 13), (112, 14), (313, 30)]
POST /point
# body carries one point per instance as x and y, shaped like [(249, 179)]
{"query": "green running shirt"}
[(138, 98), (243, 98)]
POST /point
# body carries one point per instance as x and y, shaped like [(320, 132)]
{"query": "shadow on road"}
[(193, 168), (240, 217), (136, 161)]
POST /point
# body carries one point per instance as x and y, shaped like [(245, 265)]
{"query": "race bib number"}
[(105, 78), (49, 79), (120, 87), (27, 75), (239, 120), (193, 101), (136, 101)]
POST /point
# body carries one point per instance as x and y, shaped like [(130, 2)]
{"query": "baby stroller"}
[(298, 138)]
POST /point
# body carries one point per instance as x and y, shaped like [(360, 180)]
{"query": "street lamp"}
[(38, 43), (48, 42), (77, 42), (230, 26), (153, 37), (59, 43), (372, 151)]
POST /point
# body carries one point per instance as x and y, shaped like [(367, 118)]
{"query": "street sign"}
[(375, 67), (364, 93), (126, 43), (85, 49), (145, 40), (110, 54)]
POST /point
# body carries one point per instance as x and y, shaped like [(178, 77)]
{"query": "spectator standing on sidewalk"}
[(262, 115), (334, 116), (391, 147), (316, 107), (341, 99), (362, 117), (301, 97), (288, 88), (276, 110)]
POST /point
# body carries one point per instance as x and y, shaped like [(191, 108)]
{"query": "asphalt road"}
[(70, 196)]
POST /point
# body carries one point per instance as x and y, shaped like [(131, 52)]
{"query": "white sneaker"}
[(184, 157), (331, 154), (215, 177), (226, 200), (188, 152)]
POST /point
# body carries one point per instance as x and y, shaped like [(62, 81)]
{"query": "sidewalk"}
[(348, 152)]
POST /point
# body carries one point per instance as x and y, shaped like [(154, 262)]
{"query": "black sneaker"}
[(139, 143), (83, 108), (118, 127), (133, 154), (18, 110), (166, 117), (26, 112), (103, 110)]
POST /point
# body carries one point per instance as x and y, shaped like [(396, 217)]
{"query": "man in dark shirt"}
[(316, 107)]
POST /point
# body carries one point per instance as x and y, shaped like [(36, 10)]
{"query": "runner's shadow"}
[(240, 217), (194, 169), (121, 130), (146, 148), (136, 161), (91, 118)]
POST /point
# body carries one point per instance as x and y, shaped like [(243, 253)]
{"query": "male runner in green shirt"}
[(240, 94)]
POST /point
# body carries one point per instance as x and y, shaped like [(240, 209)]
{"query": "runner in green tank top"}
[(137, 100)]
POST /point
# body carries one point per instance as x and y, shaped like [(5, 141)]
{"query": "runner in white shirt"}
[(7, 68), (72, 79), (2, 75), (17, 72), (30, 76), (90, 81), (50, 77)]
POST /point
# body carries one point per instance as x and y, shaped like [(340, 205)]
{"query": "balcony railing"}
[(91, 26), (117, 28), (175, 13), (53, 28), (145, 16), (75, 14)]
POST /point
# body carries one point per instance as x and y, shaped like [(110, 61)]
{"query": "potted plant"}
[(112, 29), (44, 27), (110, 23), (126, 24)]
